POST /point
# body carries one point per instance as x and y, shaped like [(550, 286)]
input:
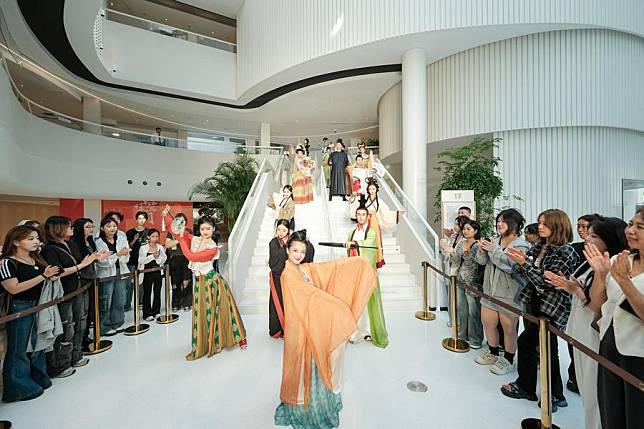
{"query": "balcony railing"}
[(166, 30)]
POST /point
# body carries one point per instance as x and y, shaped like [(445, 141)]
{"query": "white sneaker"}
[(486, 358), (149, 319), (502, 366), (66, 373)]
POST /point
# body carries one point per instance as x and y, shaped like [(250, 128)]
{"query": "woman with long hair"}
[(464, 265), (67, 352), (83, 237), (302, 178), (216, 323), (380, 215), (606, 235), (284, 206), (322, 304), (276, 259), (618, 291), (112, 293), (500, 283), (542, 299), (22, 274), (151, 255)]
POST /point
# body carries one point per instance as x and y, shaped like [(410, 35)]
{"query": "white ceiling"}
[(228, 8)]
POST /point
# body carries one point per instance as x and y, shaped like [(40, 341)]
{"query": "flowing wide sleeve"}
[(320, 317)]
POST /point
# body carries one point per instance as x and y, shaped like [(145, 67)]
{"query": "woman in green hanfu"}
[(367, 243)]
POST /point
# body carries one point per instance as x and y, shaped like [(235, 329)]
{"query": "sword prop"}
[(395, 249)]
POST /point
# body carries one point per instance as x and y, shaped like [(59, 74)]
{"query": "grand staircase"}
[(398, 286)]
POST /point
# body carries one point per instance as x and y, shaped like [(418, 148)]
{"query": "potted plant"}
[(228, 187)]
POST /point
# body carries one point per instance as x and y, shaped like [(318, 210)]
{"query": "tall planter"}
[(472, 167)]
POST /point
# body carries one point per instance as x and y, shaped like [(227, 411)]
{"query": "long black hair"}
[(79, 236), (612, 231), (104, 222), (513, 218), (290, 188)]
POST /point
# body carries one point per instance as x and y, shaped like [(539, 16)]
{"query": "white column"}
[(414, 127), (92, 113), (265, 137)]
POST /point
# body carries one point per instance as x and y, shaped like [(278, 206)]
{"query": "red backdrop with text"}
[(152, 208)]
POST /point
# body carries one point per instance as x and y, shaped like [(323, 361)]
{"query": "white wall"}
[(576, 169), (561, 78), (39, 158), (274, 36), (390, 121), (166, 63)]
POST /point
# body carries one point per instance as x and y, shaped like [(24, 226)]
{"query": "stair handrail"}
[(240, 232)]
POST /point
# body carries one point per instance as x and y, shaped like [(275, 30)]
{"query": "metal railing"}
[(167, 30), (109, 131)]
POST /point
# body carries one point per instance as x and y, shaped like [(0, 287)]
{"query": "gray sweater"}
[(498, 281)]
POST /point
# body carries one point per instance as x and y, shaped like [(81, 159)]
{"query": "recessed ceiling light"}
[(116, 135)]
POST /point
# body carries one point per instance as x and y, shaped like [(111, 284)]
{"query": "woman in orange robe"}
[(322, 303)]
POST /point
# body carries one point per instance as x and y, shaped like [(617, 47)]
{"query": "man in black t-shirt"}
[(136, 237)]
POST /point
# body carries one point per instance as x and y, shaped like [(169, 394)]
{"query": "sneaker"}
[(502, 366), (110, 333), (556, 403), (486, 358), (149, 318), (157, 315), (66, 373), (475, 346), (81, 362)]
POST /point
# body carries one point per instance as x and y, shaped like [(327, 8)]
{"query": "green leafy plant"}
[(228, 186), (472, 167)]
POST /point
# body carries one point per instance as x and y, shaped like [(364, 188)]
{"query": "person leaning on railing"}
[(22, 274), (618, 291), (542, 299), (606, 235)]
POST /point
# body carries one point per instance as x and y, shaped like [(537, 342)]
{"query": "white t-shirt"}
[(629, 329)]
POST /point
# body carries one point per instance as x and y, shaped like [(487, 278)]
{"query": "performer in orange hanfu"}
[(322, 303)]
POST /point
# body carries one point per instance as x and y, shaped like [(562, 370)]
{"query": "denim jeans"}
[(80, 308), (111, 300), (60, 358), (24, 374), (470, 327), (130, 291)]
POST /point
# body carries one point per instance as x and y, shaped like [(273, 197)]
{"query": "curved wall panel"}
[(274, 36), (576, 169), (561, 78), (43, 159), (390, 121)]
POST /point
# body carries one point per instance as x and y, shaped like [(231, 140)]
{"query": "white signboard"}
[(451, 201)]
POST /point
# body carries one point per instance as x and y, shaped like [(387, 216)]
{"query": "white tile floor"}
[(144, 382)]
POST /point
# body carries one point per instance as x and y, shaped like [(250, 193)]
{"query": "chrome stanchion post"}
[(454, 344), (98, 346), (545, 375), (138, 328), (425, 314), (168, 317)]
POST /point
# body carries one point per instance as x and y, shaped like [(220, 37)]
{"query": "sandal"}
[(513, 390)]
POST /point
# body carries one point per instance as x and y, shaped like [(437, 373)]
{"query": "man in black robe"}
[(338, 162)]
